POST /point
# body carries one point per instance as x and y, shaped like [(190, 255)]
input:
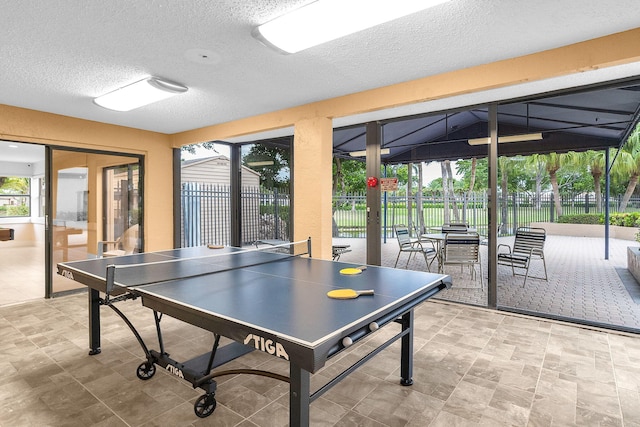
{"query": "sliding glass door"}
[(121, 210), (95, 198)]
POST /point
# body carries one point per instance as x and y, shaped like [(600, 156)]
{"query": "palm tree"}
[(595, 161), (447, 192), (553, 162), (504, 167), (628, 165), (537, 165), (420, 208), (472, 179)]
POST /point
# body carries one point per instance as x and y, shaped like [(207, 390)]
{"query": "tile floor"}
[(22, 273), (472, 367)]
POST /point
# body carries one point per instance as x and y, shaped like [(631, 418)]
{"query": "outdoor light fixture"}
[(364, 152), (140, 93), (326, 20), (511, 138), (261, 163)]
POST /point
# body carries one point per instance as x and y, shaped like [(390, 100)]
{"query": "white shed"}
[(206, 201), (216, 170)]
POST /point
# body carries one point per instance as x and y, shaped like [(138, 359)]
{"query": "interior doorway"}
[(59, 203), (22, 205)]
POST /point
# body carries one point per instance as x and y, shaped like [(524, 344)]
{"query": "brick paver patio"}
[(582, 284)]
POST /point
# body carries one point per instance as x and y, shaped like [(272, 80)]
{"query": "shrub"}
[(581, 219), (627, 219), (630, 219)]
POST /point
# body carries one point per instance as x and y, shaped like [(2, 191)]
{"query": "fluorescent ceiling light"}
[(363, 153), (326, 20), (511, 138), (140, 93)]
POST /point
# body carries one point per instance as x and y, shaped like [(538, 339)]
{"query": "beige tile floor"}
[(472, 367), (21, 273)]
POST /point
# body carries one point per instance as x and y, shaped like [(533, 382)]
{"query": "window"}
[(15, 196)]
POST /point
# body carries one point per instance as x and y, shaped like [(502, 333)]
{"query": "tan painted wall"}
[(24, 125), (313, 157)]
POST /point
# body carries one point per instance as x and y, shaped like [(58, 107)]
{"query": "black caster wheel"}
[(146, 370), (205, 405), (406, 382)]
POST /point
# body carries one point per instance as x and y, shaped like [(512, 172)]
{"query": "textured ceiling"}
[(57, 55)]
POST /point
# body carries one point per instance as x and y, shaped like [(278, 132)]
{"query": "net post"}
[(111, 275), (309, 246)]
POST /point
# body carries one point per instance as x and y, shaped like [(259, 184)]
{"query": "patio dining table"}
[(438, 239)]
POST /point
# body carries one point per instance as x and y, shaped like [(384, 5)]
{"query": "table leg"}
[(299, 396), (406, 361), (94, 322)]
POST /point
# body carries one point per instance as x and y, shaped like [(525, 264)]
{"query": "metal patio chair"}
[(527, 246), (412, 246), (455, 227), (462, 249)]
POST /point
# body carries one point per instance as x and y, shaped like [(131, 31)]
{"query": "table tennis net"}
[(133, 275)]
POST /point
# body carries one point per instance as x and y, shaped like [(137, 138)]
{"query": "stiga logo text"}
[(67, 274), (266, 345), (175, 371)]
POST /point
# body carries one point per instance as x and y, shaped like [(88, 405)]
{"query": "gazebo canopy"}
[(591, 119)]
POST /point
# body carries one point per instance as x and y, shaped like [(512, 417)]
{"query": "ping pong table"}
[(261, 300)]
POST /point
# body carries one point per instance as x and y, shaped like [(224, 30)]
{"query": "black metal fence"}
[(206, 212), (433, 210)]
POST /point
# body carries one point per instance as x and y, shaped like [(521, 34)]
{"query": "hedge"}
[(630, 219)]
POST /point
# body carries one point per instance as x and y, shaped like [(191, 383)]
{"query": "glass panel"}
[(22, 261), (69, 225), (122, 207), (95, 199), (350, 210), (265, 194), (576, 274), (554, 257), (205, 195), (15, 196)]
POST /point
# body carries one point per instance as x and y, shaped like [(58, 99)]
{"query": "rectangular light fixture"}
[(364, 152), (261, 163), (510, 138), (326, 20), (140, 93)]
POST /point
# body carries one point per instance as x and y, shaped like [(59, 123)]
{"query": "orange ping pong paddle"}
[(348, 293), (353, 270)]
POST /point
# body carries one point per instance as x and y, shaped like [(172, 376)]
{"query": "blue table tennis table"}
[(262, 300)]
